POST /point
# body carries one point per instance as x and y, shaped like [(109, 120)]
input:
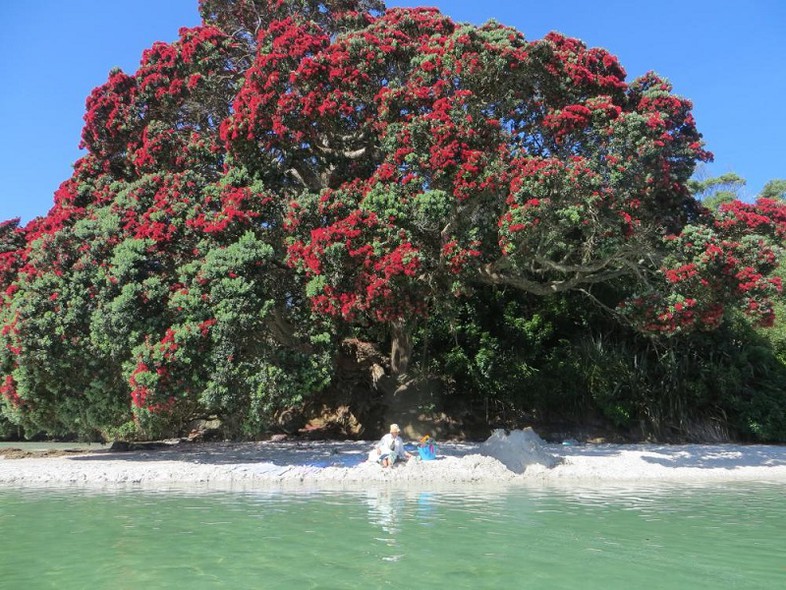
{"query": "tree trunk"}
[(400, 347)]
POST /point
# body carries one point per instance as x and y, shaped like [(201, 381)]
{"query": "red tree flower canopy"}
[(291, 173)]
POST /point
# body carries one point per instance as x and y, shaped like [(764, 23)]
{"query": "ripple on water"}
[(687, 536)]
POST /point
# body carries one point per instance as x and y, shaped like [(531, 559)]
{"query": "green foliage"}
[(9, 430), (495, 344), (563, 360), (672, 387), (512, 218), (774, 189), (713, 192)]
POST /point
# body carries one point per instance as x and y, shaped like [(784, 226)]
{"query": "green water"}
[(668, 537)]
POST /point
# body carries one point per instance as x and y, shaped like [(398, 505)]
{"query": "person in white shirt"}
[(391, 448)]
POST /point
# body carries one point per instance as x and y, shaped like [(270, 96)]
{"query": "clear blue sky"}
[(728, 57)]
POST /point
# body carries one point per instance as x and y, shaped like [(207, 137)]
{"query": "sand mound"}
[(518, 450)]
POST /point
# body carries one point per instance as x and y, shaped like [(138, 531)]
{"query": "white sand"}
[(332, 465)]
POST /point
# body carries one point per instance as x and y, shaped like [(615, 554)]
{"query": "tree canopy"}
[(293, 175)]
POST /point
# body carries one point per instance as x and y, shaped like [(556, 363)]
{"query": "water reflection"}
[(384, 511), (390, 509)]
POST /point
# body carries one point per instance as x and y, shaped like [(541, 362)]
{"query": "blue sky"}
[(728, 57)]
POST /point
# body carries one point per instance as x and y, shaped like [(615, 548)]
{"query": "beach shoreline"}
[(344, 465)]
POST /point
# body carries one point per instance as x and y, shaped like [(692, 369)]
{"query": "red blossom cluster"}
[(457, 257), (586, 68), (12, 240), (235, 207), (711, 268), (669, 315), (161, 374), (765, 216), (359, 240), (8, 391)]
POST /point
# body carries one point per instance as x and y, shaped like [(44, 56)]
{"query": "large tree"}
[(294, 174)]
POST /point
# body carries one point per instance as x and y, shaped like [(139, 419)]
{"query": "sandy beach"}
[(331, 465)]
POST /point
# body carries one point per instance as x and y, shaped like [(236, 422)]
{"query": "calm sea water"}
[(691, 537)]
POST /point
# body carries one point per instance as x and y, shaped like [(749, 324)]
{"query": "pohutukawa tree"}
[(291, 173)]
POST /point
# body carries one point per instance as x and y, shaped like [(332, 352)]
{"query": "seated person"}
[(391, 448)]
